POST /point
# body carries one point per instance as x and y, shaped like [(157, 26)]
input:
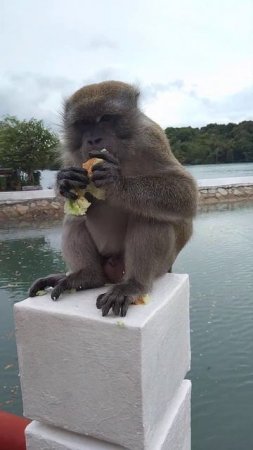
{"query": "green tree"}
[(213, 143), (27, 146)]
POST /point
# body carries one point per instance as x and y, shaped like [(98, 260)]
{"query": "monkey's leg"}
[(82, 258), (149, 252)]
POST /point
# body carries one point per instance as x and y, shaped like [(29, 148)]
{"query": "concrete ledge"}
[(17, 196), (173, 433), (109, 378), (220, 182)]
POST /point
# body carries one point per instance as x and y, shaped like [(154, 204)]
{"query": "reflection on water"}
[(219, 260)]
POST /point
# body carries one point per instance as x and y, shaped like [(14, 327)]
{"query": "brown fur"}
[(150, 198)]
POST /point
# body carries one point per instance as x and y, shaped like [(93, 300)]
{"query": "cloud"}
[(152, 90), (183, 108), (191, 60), (29, 95), (102, 42), (170, 104)]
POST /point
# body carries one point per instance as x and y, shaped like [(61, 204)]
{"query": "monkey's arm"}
[(168, 196)]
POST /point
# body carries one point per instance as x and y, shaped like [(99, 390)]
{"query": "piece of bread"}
[(90, 163)]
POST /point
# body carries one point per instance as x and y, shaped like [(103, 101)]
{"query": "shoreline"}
[(44, 205)]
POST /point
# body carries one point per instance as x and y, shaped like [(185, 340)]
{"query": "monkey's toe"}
[(59, 289), (100, 301), (38, 285)]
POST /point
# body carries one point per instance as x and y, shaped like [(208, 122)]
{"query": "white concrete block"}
[(45, 437), (174, 430), (173, 433), (109, 378)]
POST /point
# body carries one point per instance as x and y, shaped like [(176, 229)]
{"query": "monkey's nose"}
[(94, 141)]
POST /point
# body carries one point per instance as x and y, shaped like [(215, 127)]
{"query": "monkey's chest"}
[(107, 227)]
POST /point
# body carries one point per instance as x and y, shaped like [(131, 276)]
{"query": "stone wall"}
[(51, 208), (29, 210), (224, 194)]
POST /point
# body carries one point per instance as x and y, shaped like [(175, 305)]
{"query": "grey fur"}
[(150, 198)]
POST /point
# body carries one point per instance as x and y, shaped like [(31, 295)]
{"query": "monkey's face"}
[(100, 116)]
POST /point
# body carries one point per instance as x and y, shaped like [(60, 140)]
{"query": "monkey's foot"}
[(119, 298), (60, 283), (43, 283), (77, 280), (72, 281)]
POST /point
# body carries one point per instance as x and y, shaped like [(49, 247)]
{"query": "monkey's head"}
[(102, 115)]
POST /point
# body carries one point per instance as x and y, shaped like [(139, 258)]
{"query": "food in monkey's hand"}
[(79, 206), (99, 193), (88, 165)]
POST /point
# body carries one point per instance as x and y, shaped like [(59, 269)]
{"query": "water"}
[(203, 171), (219, 260), (206, 171)]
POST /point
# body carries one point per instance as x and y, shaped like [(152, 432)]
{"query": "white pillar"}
[(118, 380)]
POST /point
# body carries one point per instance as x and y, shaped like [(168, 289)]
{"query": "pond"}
[(219, 259)]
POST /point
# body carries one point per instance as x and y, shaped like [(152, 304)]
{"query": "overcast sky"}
[(193, 60)]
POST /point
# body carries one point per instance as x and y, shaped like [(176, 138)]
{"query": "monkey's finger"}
[(99, 175), (103, 181), (90, 197), (68, 194), (100, 167), (72, 184), (74, 169), (72, 176), (105, 155)]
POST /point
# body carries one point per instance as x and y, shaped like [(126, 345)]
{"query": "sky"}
[(191, 59)]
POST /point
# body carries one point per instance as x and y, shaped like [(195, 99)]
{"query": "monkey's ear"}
[(66, 104), (136, 95)]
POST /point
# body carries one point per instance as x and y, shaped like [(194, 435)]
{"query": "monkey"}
[(133, 236)]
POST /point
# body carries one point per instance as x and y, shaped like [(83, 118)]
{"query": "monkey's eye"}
[(107, 118), (80, 125)]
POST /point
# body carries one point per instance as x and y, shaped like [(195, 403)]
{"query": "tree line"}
[(28, 145), (213, 143)]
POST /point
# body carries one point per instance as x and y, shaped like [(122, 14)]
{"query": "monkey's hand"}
[(70, 179), (106, 172)]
